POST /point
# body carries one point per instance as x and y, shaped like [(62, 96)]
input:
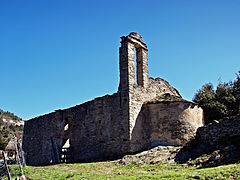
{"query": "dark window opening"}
[(138, 60), (136, 66)]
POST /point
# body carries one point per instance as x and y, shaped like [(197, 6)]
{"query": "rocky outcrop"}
[(159, 154)]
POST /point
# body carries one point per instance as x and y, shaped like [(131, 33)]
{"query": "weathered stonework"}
[(224, 130), (218, 142), (114, 125), (166, 121)]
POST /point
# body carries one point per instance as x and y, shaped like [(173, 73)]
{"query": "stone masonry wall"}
[(40, 136), (96, 131), (173, 123), (213, 133)]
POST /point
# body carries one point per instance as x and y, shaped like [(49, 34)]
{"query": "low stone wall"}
[(215, 144), (218, 131)]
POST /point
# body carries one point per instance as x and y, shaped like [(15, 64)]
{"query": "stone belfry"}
[(133, 48), (133, 79)]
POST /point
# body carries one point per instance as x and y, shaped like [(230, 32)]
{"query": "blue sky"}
[(55, 54)]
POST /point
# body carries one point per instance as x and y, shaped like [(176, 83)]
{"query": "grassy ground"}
[(112, 170)]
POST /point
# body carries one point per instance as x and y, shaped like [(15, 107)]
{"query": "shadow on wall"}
[(141, 133)]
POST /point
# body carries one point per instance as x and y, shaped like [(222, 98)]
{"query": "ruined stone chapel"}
[(143, 113)]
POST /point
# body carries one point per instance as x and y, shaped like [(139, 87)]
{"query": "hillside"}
[(10, 126)]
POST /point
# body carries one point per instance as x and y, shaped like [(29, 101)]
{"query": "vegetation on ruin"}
[(219, 103), (112, 170), (7, 128)]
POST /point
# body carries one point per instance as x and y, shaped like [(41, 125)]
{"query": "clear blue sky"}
[(56, 54)]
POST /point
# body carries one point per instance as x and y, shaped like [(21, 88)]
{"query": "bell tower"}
[(133, 63), (133, 48)]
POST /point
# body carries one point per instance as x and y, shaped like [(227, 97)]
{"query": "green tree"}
[(223, 102), (206, 98), (224, 95)]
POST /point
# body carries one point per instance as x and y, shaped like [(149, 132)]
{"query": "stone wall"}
[(214, 133), (96, 131), (215, 144), (38, 138)]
